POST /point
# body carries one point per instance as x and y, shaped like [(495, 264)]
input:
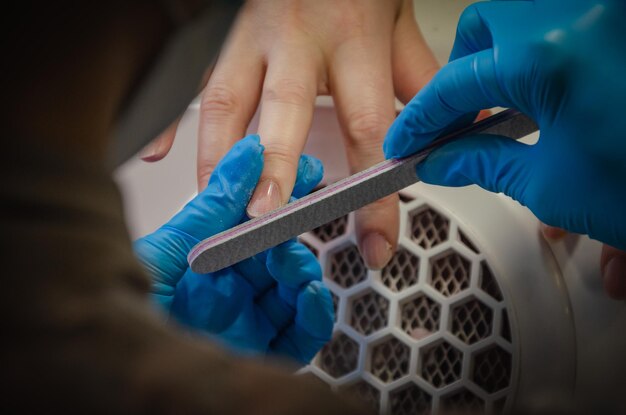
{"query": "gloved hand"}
[(563, 64), (272, 303)]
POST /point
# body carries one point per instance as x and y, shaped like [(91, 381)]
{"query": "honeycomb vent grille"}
[(402, 271), (347, 267), (339, 357), (420, 316), (390, 360), (369, 313), (428, 333)]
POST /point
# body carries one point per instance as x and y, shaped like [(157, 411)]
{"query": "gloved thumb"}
[(221, 205), (495, 163)]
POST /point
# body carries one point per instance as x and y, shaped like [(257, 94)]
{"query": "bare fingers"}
[(366, 107)]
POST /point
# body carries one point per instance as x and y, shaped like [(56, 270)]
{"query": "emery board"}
[(337, 199)]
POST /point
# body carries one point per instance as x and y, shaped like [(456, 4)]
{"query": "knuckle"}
[(346, 18), (367, 127), (219, 100), (281, 154), (289, 91)]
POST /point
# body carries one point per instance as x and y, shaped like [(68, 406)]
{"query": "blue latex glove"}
[(272, 303), (564, 64)]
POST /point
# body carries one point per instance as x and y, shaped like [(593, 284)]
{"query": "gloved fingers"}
[(613, 266), (413, 63), (287, 104), (477, 22), (229, 99), (472, 34), (210, 302), (366, 107), (286, 269), (276, 309), (315, 312), (495, 163), (310, 173), (457, 92), (221, 205), (292, 264), (255, 272), (312, 327), (251, 333), (163, 255)]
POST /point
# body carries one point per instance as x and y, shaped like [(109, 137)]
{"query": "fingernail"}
[(615, 278), (150, 151), (377, 251), (265, 199)]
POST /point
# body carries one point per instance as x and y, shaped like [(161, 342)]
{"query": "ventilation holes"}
[(365, 393), (471, 321), (335, 304), (332, 229), (462, 402), (428, 228), (450, 273), (467, 242), (445, 373), (390, 360), (369, 313), (505, 329), (492, 369), (339, 357), (409, 400), (347, 267), (441, 364), (488, 282), (402, 271), (420, 317)]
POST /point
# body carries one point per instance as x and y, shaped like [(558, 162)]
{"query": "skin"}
[(281, 55)]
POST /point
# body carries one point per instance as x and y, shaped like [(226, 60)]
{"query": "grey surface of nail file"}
[(336, 200)]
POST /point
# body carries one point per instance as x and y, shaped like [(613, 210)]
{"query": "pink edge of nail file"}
[(335, 200)]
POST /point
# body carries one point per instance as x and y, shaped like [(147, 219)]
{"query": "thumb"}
[(495, 163), (221, 205)]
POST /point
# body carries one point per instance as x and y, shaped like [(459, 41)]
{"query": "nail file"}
[(336, 200)]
